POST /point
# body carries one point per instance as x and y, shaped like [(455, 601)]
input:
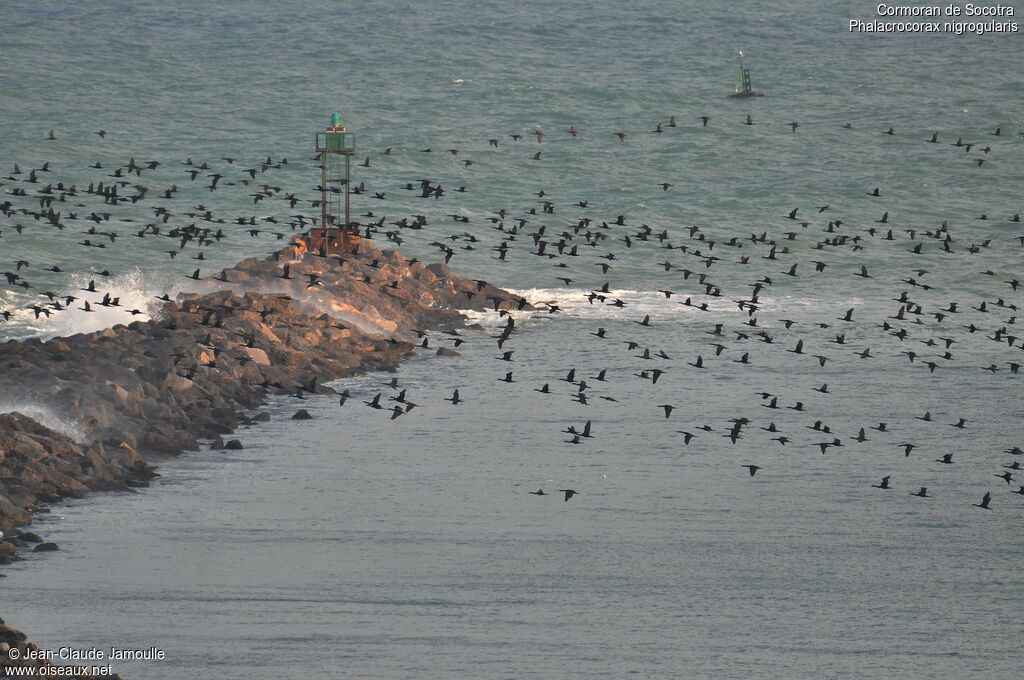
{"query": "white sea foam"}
[(575, 302), (130, 289), (47, 417), (637, 303)]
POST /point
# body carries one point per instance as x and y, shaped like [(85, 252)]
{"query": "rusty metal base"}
[(331, 240)]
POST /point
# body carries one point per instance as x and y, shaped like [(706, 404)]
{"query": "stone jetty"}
[(204, 364)]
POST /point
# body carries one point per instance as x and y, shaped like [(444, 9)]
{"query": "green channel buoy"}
[(743, 87)]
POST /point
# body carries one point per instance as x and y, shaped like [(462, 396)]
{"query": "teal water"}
[(356, 546)]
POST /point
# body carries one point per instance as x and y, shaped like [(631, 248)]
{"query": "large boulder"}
[(257, 355), (177, 383)]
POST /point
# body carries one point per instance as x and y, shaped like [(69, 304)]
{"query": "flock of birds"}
[(732, 277)]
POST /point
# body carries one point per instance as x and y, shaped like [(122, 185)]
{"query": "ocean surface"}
[(355, 546)]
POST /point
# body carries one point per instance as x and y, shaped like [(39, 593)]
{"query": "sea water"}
[(352, 545)]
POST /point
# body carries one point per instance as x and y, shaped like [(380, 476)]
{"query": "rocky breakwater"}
[(204, 362)]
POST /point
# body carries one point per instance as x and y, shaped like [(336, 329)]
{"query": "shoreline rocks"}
[(136, 392), (282, 325)]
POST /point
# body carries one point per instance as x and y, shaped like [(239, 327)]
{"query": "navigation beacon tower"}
[(336, 233)]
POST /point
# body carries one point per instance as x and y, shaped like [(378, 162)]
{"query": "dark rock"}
[(143, 471), (261, 417), (439, 269), (160, 443), (30, 537), (445, 352), (45, 547), (233, 444), (302, 414)]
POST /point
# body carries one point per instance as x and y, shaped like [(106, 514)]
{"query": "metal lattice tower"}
[(742, 77), (336, 146)]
